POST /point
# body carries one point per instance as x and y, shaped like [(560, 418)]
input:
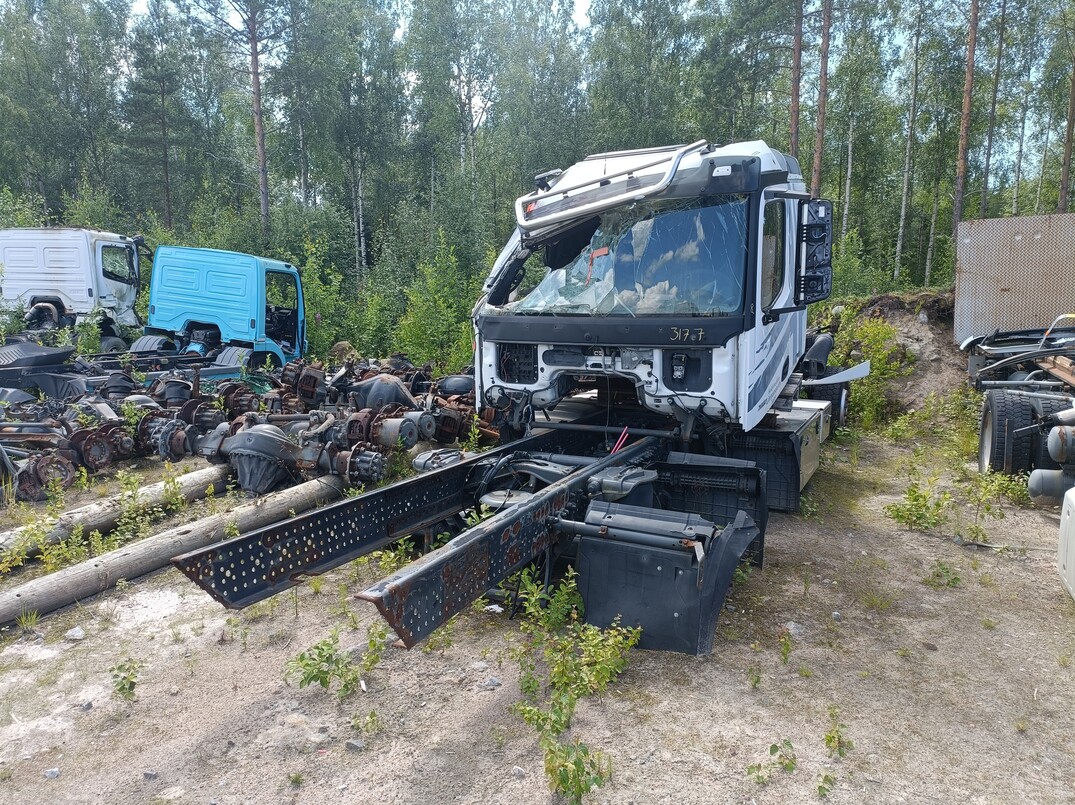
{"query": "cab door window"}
[(117, 264), (281, 309), (772, 253)]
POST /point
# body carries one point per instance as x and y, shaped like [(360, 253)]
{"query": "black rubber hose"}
[(821, 348)]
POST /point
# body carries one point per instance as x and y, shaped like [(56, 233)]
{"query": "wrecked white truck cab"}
[(679, 276)]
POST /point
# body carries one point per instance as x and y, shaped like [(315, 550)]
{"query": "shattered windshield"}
[(684, 256)]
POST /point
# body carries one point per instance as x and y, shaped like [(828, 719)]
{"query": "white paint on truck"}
[(82, 269)]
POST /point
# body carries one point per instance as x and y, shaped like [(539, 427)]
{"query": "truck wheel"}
[(1004, 413), (1039, 444), (153, 343), (110, 343), (837, 394)]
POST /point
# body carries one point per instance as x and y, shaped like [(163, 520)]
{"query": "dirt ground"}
[(960, 691)]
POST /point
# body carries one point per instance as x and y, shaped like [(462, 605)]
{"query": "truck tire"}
[(153, 343), (110, 343), (1002, 413), (1039, 446), (836, 393)]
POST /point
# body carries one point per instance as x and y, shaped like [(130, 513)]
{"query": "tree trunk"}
[(165, 172), (356, 217), (964, 123), (1065, 167), (361, 221), (304, 166), (847, 178), (819, 142), (907, 151), (80, 581), (796, 78), (933, 226), (104, 515), (259, 126), (299, 100), (1019, 153), (983, 209), (1044, 156)]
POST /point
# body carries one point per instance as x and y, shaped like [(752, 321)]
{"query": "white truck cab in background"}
[(61, 275)]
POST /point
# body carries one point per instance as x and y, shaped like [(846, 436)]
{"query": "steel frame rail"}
[(250, 568), (429, 591)]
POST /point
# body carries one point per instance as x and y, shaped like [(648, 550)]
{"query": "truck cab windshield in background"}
[(118, 264), (671, 256)]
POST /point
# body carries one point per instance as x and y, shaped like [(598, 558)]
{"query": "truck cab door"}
[(770, 350), (284, 320), (117, 281)]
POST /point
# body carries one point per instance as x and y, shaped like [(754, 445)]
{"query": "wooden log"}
[(103, 515), (87, 578)]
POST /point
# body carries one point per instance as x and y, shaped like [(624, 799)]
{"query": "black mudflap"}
[(673, 593)]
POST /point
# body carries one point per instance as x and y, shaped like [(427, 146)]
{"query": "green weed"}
[(941, 575), (369, 724), (785, 646), (742, 573), (323, 663), (877, 600), (443, 637), (470, 443), (396, 557), (836, 741), (173, 493), (825, 784), (132, 414), (27, 621), (782, 757), (561, 660), (376, 642), (923, 507), (125, 677), (754, 677)]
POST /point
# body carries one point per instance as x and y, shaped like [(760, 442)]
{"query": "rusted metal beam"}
[(255, 566), (429, 591), (1059, 366)]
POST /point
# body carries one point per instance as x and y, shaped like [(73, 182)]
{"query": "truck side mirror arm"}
[(771, 316)]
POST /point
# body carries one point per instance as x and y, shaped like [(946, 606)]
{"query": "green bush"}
[(923, 507), (329, 316), (577, 659), (436, 327), (853, 273), (26, 210), (868, 338)]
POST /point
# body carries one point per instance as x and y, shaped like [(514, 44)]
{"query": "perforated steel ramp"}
[(426, 593), (255, 566)]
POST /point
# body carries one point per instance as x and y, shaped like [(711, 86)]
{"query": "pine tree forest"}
[(379, 145)]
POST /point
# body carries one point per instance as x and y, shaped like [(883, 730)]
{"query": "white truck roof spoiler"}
[(528, 214)]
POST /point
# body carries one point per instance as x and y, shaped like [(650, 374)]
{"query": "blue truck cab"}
[(203, 301)]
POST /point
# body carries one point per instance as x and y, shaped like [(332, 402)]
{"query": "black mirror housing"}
[(814, 273)]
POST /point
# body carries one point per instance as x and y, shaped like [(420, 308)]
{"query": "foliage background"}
[(397, 134)]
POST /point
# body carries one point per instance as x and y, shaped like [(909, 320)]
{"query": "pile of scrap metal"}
[(274, 429)]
